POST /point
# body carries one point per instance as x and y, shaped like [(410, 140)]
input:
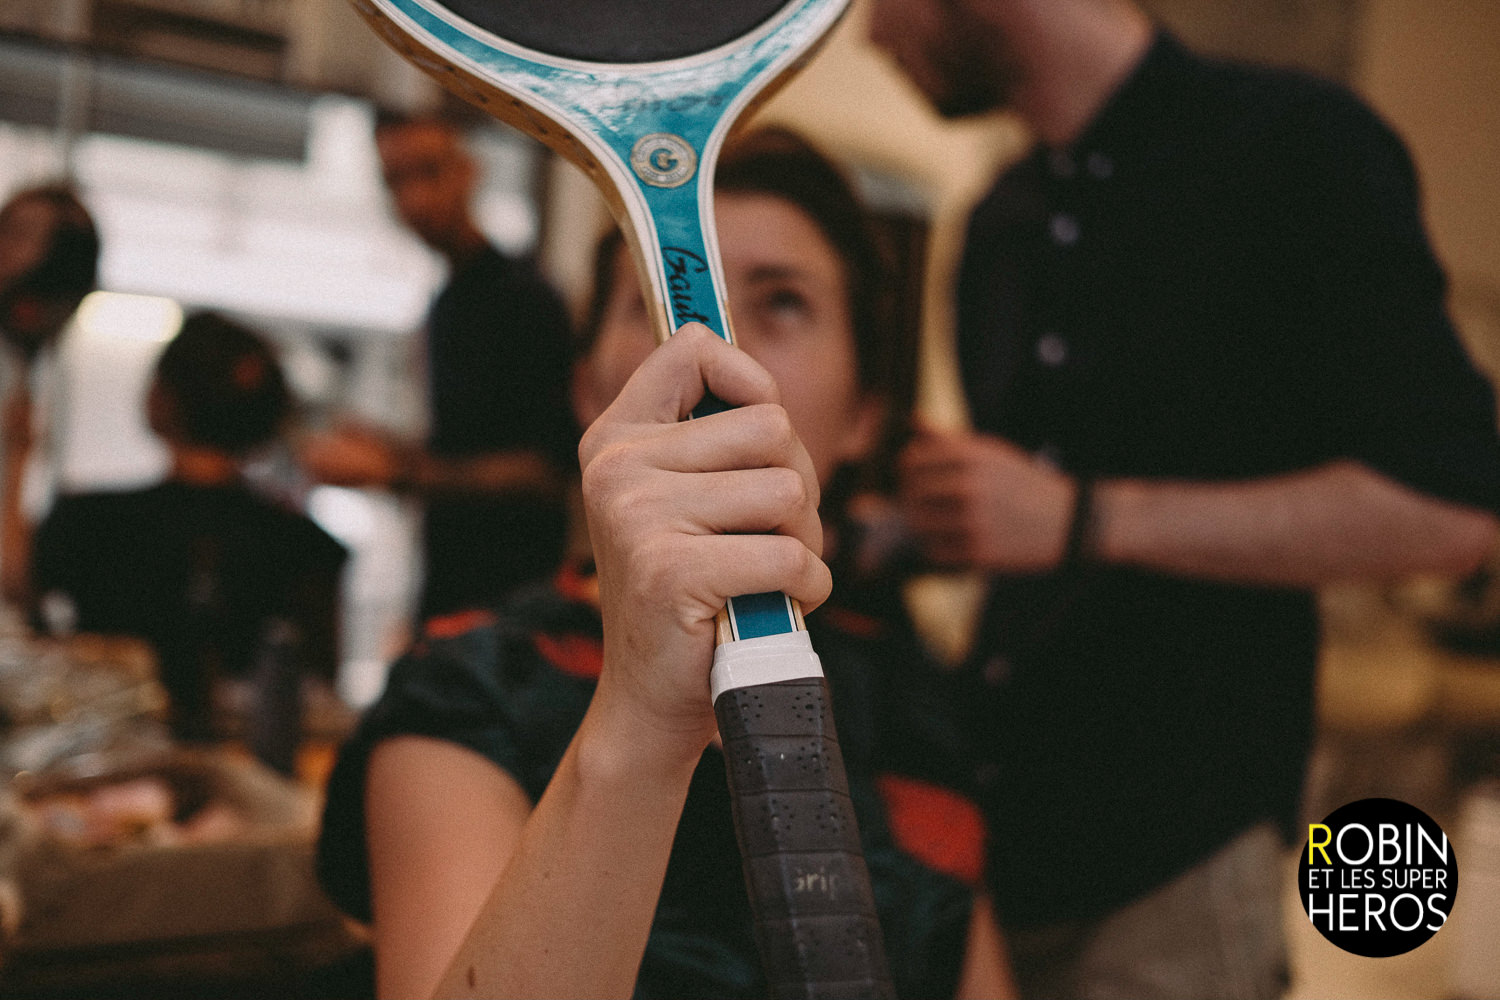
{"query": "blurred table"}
[(134, 866)]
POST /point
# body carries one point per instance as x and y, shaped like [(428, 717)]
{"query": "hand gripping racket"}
[(641, 96)]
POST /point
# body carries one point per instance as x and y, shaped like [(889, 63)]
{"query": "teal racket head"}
[(641, 96)]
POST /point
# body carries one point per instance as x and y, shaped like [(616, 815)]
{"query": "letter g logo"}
[(662, 159)]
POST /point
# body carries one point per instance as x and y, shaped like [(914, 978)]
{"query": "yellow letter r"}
[(1313, 844)]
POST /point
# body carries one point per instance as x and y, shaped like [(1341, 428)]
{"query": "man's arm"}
[(979, 502), (499, 472), (360, 456), (15, 529), (1336, 522)]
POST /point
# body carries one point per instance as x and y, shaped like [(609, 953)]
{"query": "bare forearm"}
[(571, 913), (986, 971), (1340, 521), (511, 472), (15, 536)]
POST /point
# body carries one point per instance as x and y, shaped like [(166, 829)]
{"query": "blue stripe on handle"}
[(755, 615)]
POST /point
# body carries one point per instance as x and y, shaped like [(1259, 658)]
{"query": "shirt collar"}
[(1127, 125)]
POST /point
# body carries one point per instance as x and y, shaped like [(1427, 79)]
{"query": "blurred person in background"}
[(49, 259), (1203, 340), (501, 443), (223, 583)]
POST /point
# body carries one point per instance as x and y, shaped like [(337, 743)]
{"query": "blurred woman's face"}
[(26, 228), (789, 302)]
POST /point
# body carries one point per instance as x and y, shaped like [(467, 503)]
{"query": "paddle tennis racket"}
[(641, 95)]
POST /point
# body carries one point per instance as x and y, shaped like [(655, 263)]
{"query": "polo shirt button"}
[(996, 671), (1099, 166), (1049, 454), (1051, 350), (1063, 228)]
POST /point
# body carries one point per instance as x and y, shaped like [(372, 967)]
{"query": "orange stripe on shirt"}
[(456, 624), (578, 655), (938, 827)]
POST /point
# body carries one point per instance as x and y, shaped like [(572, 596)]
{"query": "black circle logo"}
[(1378, 877)]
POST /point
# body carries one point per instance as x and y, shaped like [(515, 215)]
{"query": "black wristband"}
[(1078, 548)]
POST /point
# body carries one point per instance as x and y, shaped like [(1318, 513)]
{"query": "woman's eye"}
[(787, 302)]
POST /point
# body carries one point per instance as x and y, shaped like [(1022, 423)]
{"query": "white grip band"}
[(765, 659)]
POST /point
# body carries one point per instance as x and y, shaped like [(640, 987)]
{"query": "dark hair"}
[(34, 305), (457, 116), (223, 384), (394, 118), (777, 162), (70, 267)]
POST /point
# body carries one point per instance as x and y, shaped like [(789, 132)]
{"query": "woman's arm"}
[(558, 901), (441, 823), (986, 972), (581, 873)]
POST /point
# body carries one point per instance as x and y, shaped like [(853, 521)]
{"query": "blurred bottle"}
[(273, 729)]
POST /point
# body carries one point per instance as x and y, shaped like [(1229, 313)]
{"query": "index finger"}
[(693, 363)]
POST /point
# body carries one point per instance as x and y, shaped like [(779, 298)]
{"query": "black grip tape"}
[(809, 888), (784, 762), (820, 884), (836, 956), (709, 405), (773, 822), (787, 708)]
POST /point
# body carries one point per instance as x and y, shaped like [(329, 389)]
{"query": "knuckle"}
[(604, 470), (620, 515), (790, 558), (636, 505), (785, 434), (617, 496), (693, 340), (657, 565), (773, 427), (788, 489), (594, 440), (692, 334), (656, 561)]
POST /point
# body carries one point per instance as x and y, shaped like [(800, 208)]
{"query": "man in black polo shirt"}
[(502, 441), (1203, 342)]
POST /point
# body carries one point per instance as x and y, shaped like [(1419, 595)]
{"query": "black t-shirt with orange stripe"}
[(513, 687)]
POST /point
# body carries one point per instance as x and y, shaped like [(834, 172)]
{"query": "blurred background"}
[(225, 150)]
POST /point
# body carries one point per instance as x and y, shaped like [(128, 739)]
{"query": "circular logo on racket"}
[(662, 159)]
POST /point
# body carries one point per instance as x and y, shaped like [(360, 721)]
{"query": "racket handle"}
[(810, 895)]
